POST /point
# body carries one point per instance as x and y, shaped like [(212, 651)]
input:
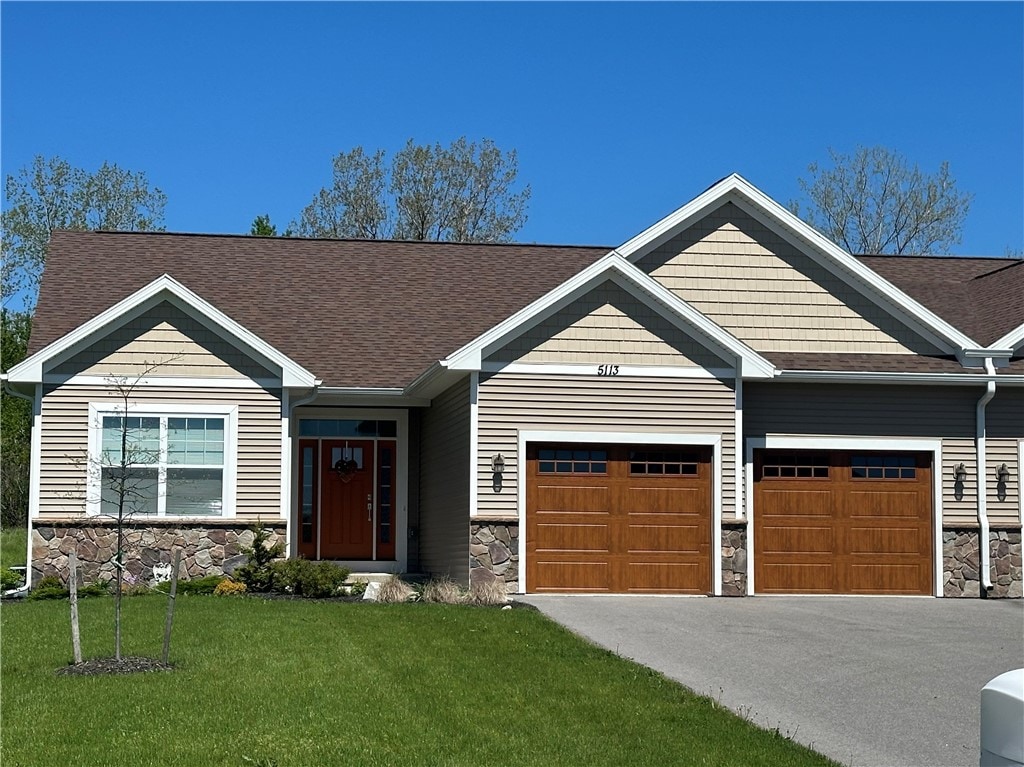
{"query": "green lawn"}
[(314, 683), (13, 543)]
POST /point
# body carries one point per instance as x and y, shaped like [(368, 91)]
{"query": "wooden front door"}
[(346, 507)]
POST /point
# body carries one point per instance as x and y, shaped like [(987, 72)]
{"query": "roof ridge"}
[(231, 235)]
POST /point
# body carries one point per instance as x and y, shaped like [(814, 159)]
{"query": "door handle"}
[(369, 508)]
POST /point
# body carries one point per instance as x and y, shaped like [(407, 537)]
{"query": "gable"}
[(771, 295), (167, 340), (607, 324)]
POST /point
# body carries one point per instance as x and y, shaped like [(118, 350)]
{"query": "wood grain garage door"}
[(612, 518), (842, 522)]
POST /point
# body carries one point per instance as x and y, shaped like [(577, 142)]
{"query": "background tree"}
[(874, 201), (261, 227), (461, 193), (51, 194), (15, 424)]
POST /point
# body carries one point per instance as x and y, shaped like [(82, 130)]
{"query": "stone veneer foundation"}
[(961, 558), (494, 552), (209, 548), (734, 560)]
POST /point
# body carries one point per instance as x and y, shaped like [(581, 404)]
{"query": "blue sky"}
[(620, 112)]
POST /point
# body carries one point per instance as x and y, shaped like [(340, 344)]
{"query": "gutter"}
[(984, 548)]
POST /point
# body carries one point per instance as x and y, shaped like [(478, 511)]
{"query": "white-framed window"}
[(179, 460)]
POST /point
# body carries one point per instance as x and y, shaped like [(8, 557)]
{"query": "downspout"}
[(984, 548), (20, 591)]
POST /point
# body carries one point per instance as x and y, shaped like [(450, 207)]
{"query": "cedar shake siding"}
[(767, 293), (444, 484), (608, 324), (938, 412), (514, 402), (167, 340), (64, 442)]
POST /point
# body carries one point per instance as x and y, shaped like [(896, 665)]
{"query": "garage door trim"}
[(873, 444), (626, 438)]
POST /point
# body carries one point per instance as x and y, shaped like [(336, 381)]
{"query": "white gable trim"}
[(164, 288), (1010, 341), (644, 288), (753, 201)]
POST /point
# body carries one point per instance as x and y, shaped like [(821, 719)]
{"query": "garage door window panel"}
[(883, 467), (799, 465), (572, 461)]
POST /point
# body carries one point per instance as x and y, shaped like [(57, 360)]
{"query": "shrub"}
[(257, 574), (205, 585), (487, 593), (229, 587), (51, 587), (394, 589), (357, 588), (303, 578), (443, 591), (9, 579)]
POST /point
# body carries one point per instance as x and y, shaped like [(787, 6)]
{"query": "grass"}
[(280, 683), (13, 543)]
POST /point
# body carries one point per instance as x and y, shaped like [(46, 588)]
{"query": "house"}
[(728, 403)]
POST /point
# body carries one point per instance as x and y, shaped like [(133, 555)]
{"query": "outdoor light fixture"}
[(960, 472), (1002, 472), (497, 463)]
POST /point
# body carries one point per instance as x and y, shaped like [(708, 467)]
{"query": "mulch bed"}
[(127, 665)]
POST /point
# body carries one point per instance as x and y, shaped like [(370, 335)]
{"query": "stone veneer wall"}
[(734, 560), (494, 553), (208, 548), (961, 557)]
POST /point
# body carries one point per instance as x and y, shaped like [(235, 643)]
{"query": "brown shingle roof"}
[(982, 297), (874, 363), (354, 312)]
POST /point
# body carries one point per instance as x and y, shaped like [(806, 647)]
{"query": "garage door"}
[(614, 518), (842, 522)]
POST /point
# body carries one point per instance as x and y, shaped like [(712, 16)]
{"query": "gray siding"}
[(1005, 427), (444, 484), (65, 442), (511, 402), (943, 412)]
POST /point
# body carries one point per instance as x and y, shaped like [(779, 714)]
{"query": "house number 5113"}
[(607, 370)]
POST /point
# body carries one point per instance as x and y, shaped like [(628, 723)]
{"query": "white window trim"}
[(933, 446), (155, 410), (627, 438)]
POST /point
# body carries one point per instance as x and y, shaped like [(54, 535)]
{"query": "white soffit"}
[(753, 201), (163, 288)]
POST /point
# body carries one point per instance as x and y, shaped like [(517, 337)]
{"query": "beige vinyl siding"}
[(514, 402), (168, 341), (608, 325), (65, 442), (766, 292), (444, 484), (823, 410), (1005, 430)]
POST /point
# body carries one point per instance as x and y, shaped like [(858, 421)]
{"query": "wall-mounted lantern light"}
[(497, 463), (960, 472), (1002, 472)]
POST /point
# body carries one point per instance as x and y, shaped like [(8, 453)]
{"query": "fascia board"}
[(165, 286), (1010, 341), (469, 356), (735, 188), (616, 268)]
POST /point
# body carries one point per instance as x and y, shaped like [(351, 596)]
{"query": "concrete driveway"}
[(884, 682)]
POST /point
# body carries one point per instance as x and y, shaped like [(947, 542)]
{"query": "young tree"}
[(51, 194), (15, 424), (261, 227), (461, 193), (874, 201)]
